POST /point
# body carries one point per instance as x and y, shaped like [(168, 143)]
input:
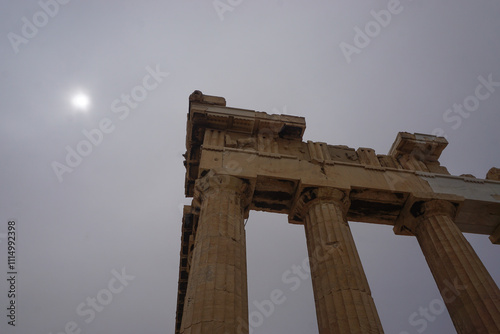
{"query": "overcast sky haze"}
[(117, 211)]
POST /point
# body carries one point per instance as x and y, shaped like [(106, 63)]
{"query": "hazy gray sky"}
[(107, 230)]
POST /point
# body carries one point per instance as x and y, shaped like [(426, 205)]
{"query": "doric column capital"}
[(418, 209), (309, 196), (426, 209), (215, 183)]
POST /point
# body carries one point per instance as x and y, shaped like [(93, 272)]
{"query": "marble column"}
[(216, 297), (468, 290), (342, 295)]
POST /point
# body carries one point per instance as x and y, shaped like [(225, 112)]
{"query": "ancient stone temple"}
[(239, 160)]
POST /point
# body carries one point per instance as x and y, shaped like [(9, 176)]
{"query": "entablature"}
[(268, 150)]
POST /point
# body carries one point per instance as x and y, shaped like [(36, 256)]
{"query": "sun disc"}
[(81, 101)]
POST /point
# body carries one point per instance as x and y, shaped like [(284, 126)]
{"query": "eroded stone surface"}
[(239, 160), (493, 174), (216, 299)]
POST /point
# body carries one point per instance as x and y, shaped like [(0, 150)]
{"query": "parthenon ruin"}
[(239, 160)]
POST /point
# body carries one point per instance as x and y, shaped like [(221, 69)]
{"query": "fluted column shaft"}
[(216, 296), (342, 295), (469, 292)]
